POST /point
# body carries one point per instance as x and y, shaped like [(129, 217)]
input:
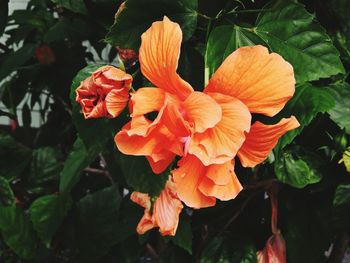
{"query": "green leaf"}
[(44, 166), (306, 103), (292, 32), (223, 40), (7, 198), (341, 111), (17, 232), (184, 236), (133, 20), (138, 174), (14, 158), (15, 59), (77, 6), (93, 132), (3, 15), (98, 225), (227, 250), (78, 159), (346, 159), (341, 205), (47, 214), (298, 167)]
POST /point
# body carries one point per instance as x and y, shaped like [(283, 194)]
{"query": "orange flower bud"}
[(274, 251), (105, 93), (45, 55)]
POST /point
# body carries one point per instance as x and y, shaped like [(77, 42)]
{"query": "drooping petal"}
[(159, 54), (221, 143), (262, 81), (146, 223), (116, 101), (262, 139), (166, 210), (202, 110), (146, 100), (188, 177), (225, 185)]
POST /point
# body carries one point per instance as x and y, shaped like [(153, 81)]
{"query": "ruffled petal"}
[(109, 77), (146, 223), (262, 139), (262, 81), (188, 178), (225, 185), (159, 54), (146, 100), (116, 101), (221, 143), (166, 211), (202, 110), (160, 161)]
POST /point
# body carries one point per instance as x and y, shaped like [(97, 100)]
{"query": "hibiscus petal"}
[(159, 162), (188, 178), (166, 211), (146, 100), (262, 81), (116, 101), (202, 110), (146, 223), (218, 189), (221, 143), (262, 139), (97, 112), (159, 54)]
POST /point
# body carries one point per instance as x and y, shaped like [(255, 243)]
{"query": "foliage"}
[(64, 186)]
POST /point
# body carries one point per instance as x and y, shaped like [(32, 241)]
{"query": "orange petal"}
[(109, 77), (146, 223), (221, 143), (97, 112), (159, 54), (218, 189), (188, 178), (202, 110), (159, 162), (141, 199), (262, 81), (116, 101), (174, 121), (166, 211), (146, 100), (262, 139)]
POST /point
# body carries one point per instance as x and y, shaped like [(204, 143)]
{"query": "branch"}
[(339, 248)]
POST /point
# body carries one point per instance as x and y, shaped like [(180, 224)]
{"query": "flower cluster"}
[(206, 130)]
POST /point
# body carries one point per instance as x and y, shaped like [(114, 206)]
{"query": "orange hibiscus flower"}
[(166, 210), (105, 93), (208, 129)]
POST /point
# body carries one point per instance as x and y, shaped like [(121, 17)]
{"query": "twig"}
[(99, 172), (339, 248), (152, 252)]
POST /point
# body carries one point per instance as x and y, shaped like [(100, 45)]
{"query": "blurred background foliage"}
[(64, 187)]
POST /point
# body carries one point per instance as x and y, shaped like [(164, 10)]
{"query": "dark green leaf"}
[(3, 15), (138, 174), (76, 6), (223, 40), (26, 116), (13, 60), (44, 165), (291, 31), (306, 103), (227, 250), (298, 167), (341, 203), (133, 20), (98, 225), (341, 111), (183, 237), (17, 232), (7, 198), (47, 214), (14, 158), (78, 159)]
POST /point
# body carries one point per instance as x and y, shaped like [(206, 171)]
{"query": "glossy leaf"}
[(298, 167), (223, 40), (341, 204), (341, 111), (346, 159), (7, 198), (78, 159), (132, 21), (306, 103), (139, 176), (292, 32), (98, 222), (184, 236), (47, 214), (77, 6), (14, 158)]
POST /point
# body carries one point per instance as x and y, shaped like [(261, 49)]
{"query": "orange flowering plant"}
[(189, 126)]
